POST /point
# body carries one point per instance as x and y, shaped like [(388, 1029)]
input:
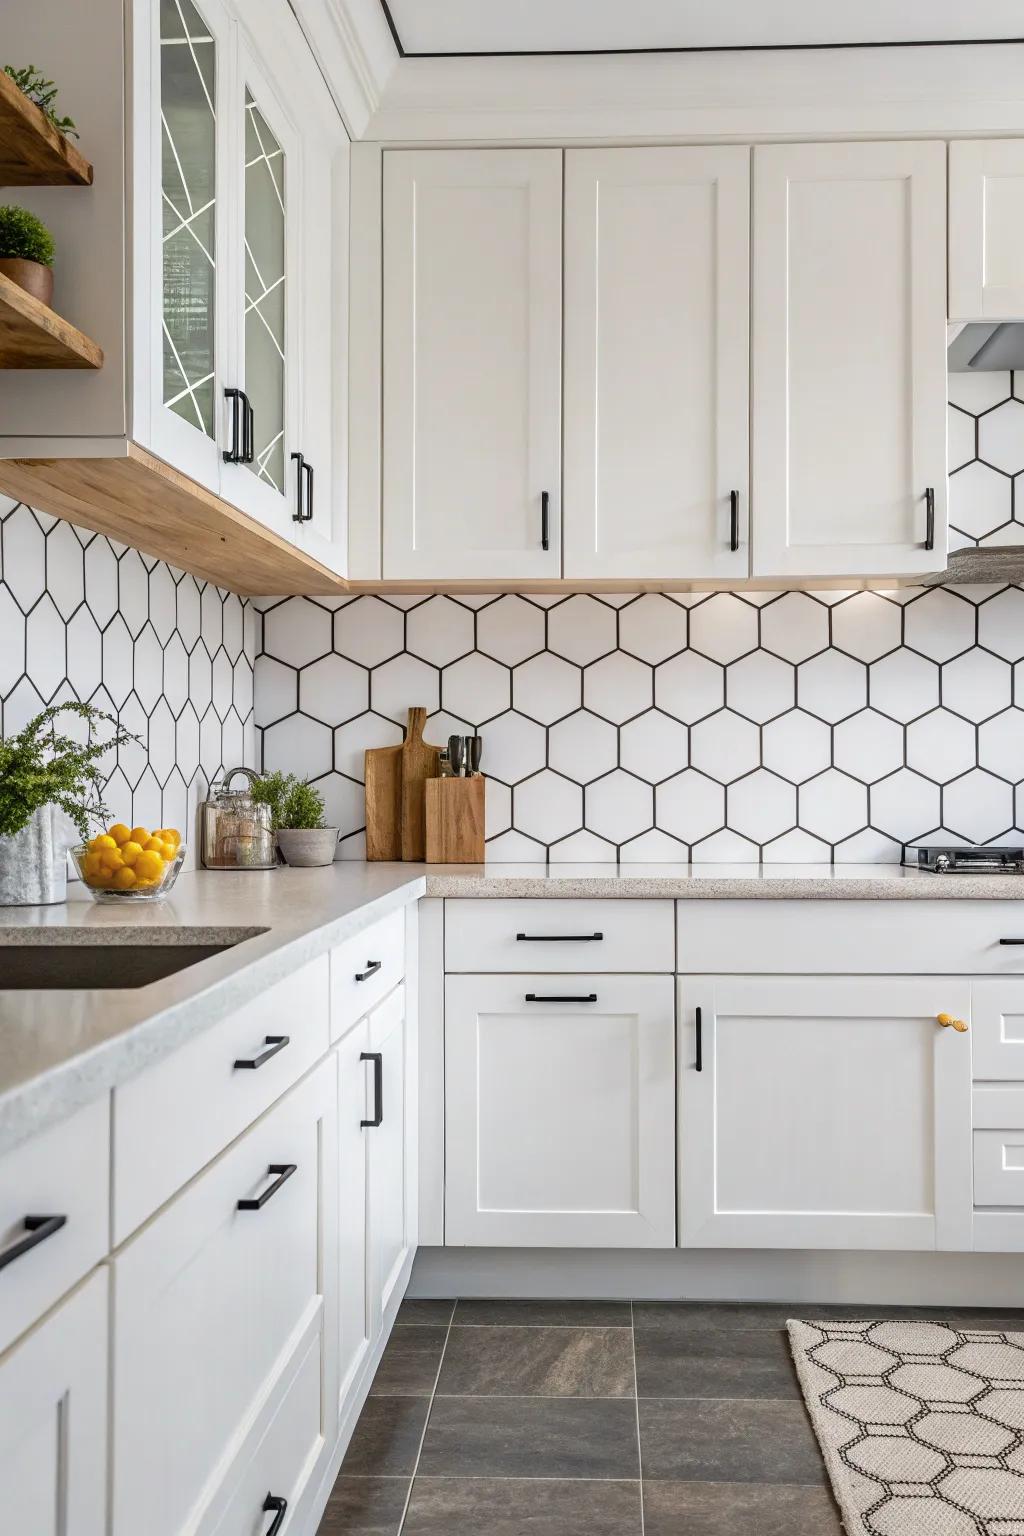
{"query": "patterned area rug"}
[(921, 1425)]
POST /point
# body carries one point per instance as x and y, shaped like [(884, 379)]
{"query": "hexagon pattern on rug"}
[(921, 1424)]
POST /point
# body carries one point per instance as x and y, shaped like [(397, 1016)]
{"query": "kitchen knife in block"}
[(420, 763), (383, 776), (455, 820)]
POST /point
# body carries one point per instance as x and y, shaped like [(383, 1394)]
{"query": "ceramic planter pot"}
[(34, 862), (308, 846), (30, 275)]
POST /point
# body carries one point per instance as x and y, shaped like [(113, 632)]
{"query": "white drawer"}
[(554, 935), (62, 1174), (209, 1298), (998, 1106), (850, 937), (172, 1119), (279, 1469), (364, 969), (997, 1019), (999, 1167)]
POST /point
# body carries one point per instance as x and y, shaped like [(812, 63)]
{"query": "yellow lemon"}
[(91, 863), (101, 877), (171, 851), (124, 878), (111, 858), (131, 850), (154, 845), (119, 832), (170, 835), (140, 835), (149, 866), (104, 841)]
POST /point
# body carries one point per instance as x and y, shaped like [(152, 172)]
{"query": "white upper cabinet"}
[(472, 364), (656, 362), (849, 377), (986, 230)]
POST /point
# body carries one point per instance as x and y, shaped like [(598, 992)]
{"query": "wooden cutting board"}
[(383, 778), (420, 762)]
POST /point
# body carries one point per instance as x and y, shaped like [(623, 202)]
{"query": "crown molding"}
[(355, 51), (932, 92)]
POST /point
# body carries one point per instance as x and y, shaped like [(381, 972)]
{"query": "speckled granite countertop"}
[(59, 1049)]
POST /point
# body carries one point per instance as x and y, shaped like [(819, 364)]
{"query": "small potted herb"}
[(49, 784), (34, 84), (297, 810), (26, 252)]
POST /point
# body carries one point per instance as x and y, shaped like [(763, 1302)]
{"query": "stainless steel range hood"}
[(985, 347)]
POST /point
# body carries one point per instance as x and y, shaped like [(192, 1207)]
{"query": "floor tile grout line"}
[(426, 1422), (636, 1399)]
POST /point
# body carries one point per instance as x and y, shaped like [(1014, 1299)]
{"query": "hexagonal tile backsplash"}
[(84, 618)]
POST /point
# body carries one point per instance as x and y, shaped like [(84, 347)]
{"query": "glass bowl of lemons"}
[(130, 863)]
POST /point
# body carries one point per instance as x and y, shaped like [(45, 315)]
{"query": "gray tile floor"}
[(592, 1419)]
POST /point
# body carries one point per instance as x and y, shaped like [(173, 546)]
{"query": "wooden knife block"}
[(454, 817)]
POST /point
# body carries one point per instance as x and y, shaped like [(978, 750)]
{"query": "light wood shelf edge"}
[(139, 500), (48, 158), (32, 335)]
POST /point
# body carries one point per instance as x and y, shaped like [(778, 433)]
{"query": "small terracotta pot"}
[(30, 275)]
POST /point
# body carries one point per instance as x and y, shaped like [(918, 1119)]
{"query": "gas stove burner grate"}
[(941, 860)]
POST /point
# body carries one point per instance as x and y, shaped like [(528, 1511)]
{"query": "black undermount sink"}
[(89, 967)]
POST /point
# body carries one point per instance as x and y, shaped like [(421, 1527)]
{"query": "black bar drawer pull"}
[(233, 455), (559, 938), (537, 997), (699, 1061), (929, 518), (378, 1086), (545, 541), (271, 1045), (273, 1502), (283, 1173), (37, 1230), (372, 966), (299, 516), (734, 521), (1011, 941)]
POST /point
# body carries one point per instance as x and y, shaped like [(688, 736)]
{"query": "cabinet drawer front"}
[(285, 1454), (551, 935), (209, 1299), (999, 1167), (851, 937), (53, 1421), (62, 1173), (364, 969), (998, 1019), (998, 1106), (158, 1147)]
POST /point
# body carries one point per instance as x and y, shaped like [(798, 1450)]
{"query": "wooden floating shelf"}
[(32, 335), (138, 500), (33, 153)]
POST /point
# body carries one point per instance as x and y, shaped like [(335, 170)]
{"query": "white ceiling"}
[(570, 26)]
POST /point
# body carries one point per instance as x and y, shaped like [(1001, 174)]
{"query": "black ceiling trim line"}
[(579, 53)]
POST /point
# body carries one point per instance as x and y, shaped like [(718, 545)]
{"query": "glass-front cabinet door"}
[(264, 300), (188, 333)]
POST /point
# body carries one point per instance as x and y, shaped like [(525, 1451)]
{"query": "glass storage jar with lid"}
[(237, 830)]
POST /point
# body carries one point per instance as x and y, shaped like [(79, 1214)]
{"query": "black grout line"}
[(426, 1423)]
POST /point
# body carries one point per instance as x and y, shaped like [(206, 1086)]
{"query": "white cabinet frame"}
[(986, 229)]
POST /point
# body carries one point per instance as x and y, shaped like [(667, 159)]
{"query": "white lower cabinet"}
[(392, 1188), (824, 1112), (355, 1323), (212, 1300), (53, 1421), (559, 1111)]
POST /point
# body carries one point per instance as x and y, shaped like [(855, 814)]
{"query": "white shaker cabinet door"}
[(849, 359), (53, 1421), (986, 230), (472, 363), (355, 1108), (389, 1150), (830, 1112), (657, 297), (559, 1122)]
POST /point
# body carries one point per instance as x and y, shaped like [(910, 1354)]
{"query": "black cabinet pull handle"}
[(280, 1508), (233, 455), (538, 997), (734, 521), (378, 1086), (307, 470), (372, 966), (284, 1172), (37, 1230), (272, 1044), (545, 542), (245, 453), (559, 938), (248, 429), (699, 1061), (929, 518), (299, 516), (1011, 941)]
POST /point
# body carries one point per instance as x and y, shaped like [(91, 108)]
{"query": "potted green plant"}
[(297, 811), (34, 84), (50, 785), (26, 252)]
